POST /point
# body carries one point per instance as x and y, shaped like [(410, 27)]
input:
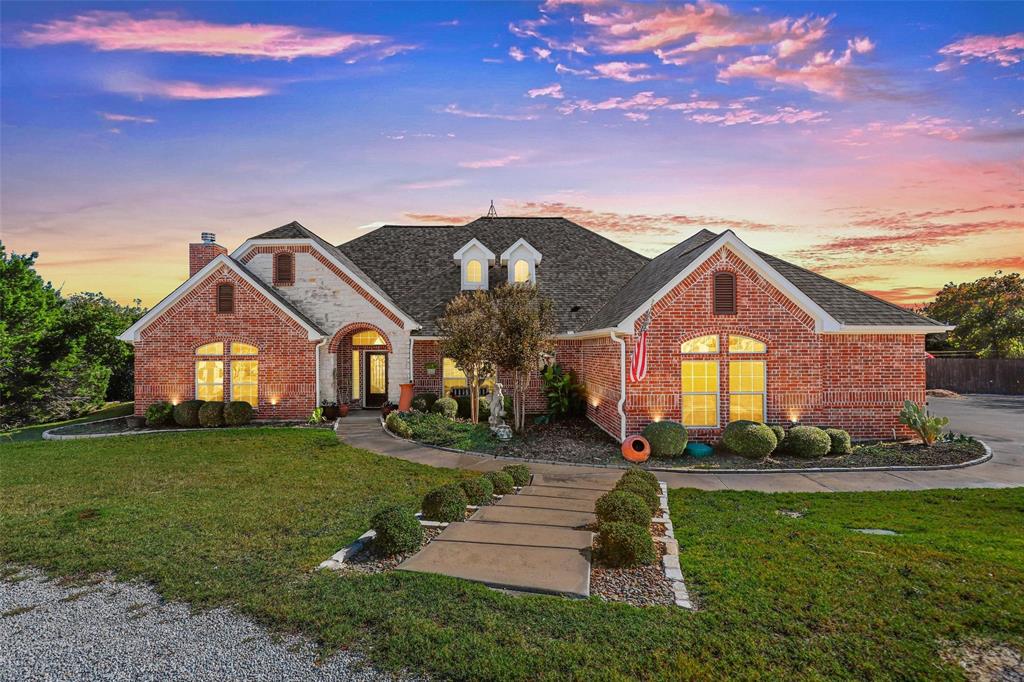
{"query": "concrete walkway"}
[(998, 420)]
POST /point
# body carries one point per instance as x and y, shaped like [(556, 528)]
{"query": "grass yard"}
[(36, 432), (242, 518)]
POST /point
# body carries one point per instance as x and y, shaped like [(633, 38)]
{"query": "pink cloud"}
[(516, 53), (554, 91), (788, 115), (187, 89), (434, 184), (500, 162), (542, 53), (1002, 50), (562, 69), (110, 31), (824, 73), (928, 126), (642, 101), (456, 110), (636, 115), (125, 118), (626, 72)]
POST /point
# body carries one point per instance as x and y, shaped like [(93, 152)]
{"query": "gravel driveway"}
[(125, 631)]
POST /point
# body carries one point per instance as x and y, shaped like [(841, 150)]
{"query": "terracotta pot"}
[(331, 411), (343, 410), (405, 397), (636, 449)]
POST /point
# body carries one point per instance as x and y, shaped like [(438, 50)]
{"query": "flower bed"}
[(124, 426)]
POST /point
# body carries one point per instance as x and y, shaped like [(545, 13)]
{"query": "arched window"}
[(747, 379), (284, 268), (225, 298), (210, 373), (701, 344), (215, 348), (243, 349), (522, 271), (725, 293), (368, 338), (745, 344), (244, 373), (474, 272)]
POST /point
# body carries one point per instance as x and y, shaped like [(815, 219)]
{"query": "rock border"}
[(50, 434), (670, 561)]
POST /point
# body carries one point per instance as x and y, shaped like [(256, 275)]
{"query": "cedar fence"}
[(1004, 376)]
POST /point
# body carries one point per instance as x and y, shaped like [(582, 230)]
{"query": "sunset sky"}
[(878, 143)]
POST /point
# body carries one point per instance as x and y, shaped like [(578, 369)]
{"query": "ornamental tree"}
[(467, 323), (988, 314)]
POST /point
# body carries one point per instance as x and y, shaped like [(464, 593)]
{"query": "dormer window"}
[(521, 259), (475, 261)]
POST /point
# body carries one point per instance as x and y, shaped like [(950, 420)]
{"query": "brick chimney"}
[(199, 255)]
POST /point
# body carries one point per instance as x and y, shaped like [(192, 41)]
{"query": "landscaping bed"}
[(119, 425)]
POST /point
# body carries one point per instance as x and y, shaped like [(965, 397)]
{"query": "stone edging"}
[(670, 562), (677, 470), (50, 435)]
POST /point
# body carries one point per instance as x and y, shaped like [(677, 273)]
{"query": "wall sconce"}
[(273, 401)]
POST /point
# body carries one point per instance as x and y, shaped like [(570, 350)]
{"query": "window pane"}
[(522, 271), (367, 338), (216, 348), (210, 380), (355, 375), (746, 406), (744, 344), (700, 376), (701, 344), (700, 410), (474, 273), (245, 381), (746, 376), (243, 349)]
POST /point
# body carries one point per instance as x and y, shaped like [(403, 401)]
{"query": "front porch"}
[(365, 374)]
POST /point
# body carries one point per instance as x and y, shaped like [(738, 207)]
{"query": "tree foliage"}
[(465, 326), (988, 314)]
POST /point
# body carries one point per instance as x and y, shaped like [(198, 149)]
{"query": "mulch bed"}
[(576, 441), (367, 561), (121, 425), (638, 585)]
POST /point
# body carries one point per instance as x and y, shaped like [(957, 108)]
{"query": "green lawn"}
[(243, 517), (36, 432)]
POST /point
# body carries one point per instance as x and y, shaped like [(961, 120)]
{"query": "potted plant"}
[(343, 410), (386, 409), (330, 409), (431, 368)]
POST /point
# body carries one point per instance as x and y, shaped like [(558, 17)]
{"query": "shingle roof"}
[(580, 270)]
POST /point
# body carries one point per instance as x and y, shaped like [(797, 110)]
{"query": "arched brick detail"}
[(357, 327)]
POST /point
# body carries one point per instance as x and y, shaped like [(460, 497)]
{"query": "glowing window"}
[(474, 272), (215, 348), (210, 380), (746, 390), (245, 381), (745, 344), (700, 392), (455, 379), (368, 338), (243, 349), (701, 344), (355, 375), (522, 271)]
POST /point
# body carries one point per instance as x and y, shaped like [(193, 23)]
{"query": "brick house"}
[(287, 320)]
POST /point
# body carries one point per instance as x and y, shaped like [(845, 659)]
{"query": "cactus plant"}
[(921, 423)]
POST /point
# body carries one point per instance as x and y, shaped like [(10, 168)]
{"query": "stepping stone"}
[(517, 534), (528, 569), (537, 502), (537, 517), (563, 493), (599, 481)]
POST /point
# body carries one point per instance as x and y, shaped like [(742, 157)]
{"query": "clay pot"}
[(636, 449), (405, 397), (343, 410)]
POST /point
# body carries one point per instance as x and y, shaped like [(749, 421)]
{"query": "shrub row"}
[(193, 413), (448, 503), (624, 517), (753, 439)]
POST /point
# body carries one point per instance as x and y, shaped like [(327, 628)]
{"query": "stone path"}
[(530, 542)]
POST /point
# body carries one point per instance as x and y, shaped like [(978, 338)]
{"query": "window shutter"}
[(284, 268), (225, 298), (725, 294)]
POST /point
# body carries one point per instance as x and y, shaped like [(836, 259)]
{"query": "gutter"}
[(412, 340), (622, 385)]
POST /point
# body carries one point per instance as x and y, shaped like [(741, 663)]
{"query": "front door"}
[(376, 378)]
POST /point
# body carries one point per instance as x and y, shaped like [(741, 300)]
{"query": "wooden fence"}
[(977, 375)]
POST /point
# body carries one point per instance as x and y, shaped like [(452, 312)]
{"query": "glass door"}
[(376, 378)]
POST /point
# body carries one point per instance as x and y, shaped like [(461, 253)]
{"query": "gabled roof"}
[(471, 244), (521, 244)]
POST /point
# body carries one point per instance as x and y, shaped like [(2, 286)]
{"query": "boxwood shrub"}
[(160, 413), (397, 425), (841, 443), (479, 491), (520, 473), (211, 414), (780, 434), (502, 482), (622, 505), (447, 503), (667, 438), (422, 402), (447, 407), (750, 439), (647, 477), (187, 413), (398, 531), (808, 441), (641, 489), (237, 413), (625, 544)]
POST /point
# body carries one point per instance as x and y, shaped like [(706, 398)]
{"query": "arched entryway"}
[(363, 350)]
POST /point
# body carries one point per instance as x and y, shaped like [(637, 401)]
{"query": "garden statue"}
[(497, 405)]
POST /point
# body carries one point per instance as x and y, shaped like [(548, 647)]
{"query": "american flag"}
[(638, 367)]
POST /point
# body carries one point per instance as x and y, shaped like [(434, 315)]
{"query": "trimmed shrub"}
[(397, 425), (159, 413), (780, 434), (447, 503), (667, 439), (237, 413), (398, 531), (478, 490), (647, 477), (643, 490), (841, 443), (622, 505), (625, 544), (808, 441), (750, 439), (187, 413), (464, 407), (502, 482), (422, 402), (447, 407), (211, 414), (520, 473)]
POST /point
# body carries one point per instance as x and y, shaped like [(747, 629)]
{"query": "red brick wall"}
[(596, 363), (165, 352), (200, 254)]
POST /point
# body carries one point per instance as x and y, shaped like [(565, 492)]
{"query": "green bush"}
[(841, 443), (635, 473), (159, 413), (780, 434), (447, 407), (397, 425), (502, 482), (422, 402), (211, 414), (436, 429), (750, 439), (398, 531), (463, 411), (622, 505), (808, 441), (625, 544), (187, 413), (479, 491), (641, 489), (447, 503), (237, 413), (520, 473), (667, 439)]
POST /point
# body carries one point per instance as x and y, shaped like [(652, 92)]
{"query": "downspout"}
[(317, 368), (412, 340), (622, 385)]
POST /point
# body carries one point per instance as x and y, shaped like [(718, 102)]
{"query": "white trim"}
[(506, 255), (316, 358), (622, 385), (131, 335), (371, 290), (457, 256)]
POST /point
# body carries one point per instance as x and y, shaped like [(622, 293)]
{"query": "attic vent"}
[(284, 268), (725, 293), (225, 298)]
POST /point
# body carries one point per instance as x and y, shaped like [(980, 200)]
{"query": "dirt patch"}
[(986, 661)]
